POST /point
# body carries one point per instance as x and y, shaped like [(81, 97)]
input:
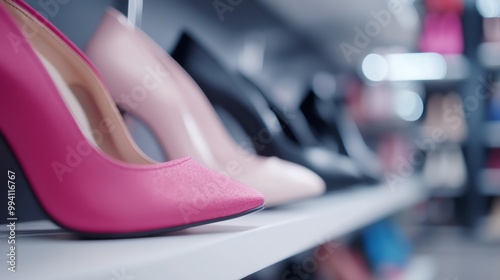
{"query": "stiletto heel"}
[(177, 111), (78, 157)]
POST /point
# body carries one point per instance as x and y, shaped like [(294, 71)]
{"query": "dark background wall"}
[(78, 18), (164, 20)]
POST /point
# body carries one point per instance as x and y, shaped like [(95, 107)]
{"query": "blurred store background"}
[(419, 79)]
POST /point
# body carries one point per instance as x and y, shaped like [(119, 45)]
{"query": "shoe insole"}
[(77, 108), (84, 110)]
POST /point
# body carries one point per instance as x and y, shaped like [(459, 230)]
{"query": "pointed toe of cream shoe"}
[(281, 181)]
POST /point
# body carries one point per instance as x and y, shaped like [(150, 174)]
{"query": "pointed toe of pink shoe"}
[(215, 197)]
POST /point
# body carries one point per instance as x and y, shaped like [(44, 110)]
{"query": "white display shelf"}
[(225, 250)]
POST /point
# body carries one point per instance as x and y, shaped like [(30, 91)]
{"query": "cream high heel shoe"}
[(149, 84)]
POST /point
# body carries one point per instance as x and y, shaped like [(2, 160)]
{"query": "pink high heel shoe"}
[(71, 143), (148, 83)]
